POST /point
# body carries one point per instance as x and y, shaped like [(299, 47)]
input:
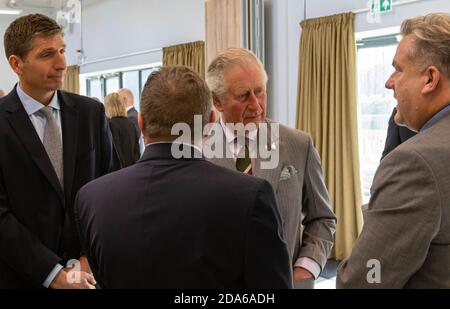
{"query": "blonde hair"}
[(225, 60), (114, 106), (432, 40)]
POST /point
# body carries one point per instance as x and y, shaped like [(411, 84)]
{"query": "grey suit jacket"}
[(407, 229), (300, 191)]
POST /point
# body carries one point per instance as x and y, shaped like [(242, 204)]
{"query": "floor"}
[(327, 279)]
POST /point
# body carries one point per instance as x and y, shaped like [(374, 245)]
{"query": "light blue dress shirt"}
[(33, 107), (435, 118)]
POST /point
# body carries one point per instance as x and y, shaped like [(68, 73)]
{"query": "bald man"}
[(132, 113)]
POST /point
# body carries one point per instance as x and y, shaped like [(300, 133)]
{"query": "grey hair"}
[(225, 60), (432, 40)]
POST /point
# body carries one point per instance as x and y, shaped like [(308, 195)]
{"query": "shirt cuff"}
[(309, 264), (52, 275)]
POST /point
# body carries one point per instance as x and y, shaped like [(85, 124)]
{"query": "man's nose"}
[(389, 83), (253, 101), (60, 61)]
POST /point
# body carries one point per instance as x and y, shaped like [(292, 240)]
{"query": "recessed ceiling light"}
[(10, 12)]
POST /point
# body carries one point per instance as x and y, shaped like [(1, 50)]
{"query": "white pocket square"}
[(288, 172)]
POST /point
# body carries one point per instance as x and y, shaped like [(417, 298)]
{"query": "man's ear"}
[(141, 123), (433, 77), (16, 64), (217, 103)]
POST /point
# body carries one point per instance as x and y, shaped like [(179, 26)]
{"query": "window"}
[(102, 84), (145, 75), (112, 83), (375, 103), (130, 80), (95, 88)]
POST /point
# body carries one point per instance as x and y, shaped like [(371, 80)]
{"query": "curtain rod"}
[(393, 4)]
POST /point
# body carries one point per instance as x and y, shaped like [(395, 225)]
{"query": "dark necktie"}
[(244, 163)]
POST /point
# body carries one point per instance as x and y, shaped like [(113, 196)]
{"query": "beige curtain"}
[(327, 110), (72, 79), (190, 54)]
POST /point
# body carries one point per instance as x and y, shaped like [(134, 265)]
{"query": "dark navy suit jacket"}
[(37, 228), (182, 223)]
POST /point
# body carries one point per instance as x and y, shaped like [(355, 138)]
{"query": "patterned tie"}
[(244, 164), (52, 143)]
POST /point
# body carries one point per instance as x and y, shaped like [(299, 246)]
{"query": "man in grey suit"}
[(238, 81), (405, 242)]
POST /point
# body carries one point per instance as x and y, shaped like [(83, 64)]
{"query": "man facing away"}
[(405, 241), (52, 143), (182, 222), (238, 82), (132, 114)]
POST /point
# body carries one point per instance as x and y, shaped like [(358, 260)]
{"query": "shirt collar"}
[(129, 107), (31, 105), (191, 145), (230, 136), (435, 118)]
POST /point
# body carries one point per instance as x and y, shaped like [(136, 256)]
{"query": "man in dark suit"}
[(182, 222), (395, 135), (52, 143), (132, 114)]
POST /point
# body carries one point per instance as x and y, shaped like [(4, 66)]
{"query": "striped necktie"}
[(52, 143)]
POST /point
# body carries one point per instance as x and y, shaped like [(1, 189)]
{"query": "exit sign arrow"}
[(385, 5)]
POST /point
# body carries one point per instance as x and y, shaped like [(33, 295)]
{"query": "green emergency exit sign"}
[(385, 6), (381, 6)]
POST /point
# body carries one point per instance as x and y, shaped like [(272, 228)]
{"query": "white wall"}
[(283, 36), (7, 76), (112, 28)]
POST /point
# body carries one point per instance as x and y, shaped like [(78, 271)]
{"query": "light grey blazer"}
[(407, 228), (299, 187)]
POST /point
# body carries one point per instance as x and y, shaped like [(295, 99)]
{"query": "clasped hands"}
[(79, 276)]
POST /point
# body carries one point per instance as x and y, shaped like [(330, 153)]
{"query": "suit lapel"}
[(273, 142), (21, 124), (69, 126), (226, 158)]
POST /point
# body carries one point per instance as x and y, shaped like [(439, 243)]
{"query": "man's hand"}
[(302, 274), (84, 264), (73, 279)]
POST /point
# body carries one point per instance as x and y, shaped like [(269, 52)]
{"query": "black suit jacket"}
[(125, 141), (395, 135), (36, 215), (186, 223), (132, 114)]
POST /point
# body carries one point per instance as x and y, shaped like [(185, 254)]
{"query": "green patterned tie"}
[(244, 164)]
